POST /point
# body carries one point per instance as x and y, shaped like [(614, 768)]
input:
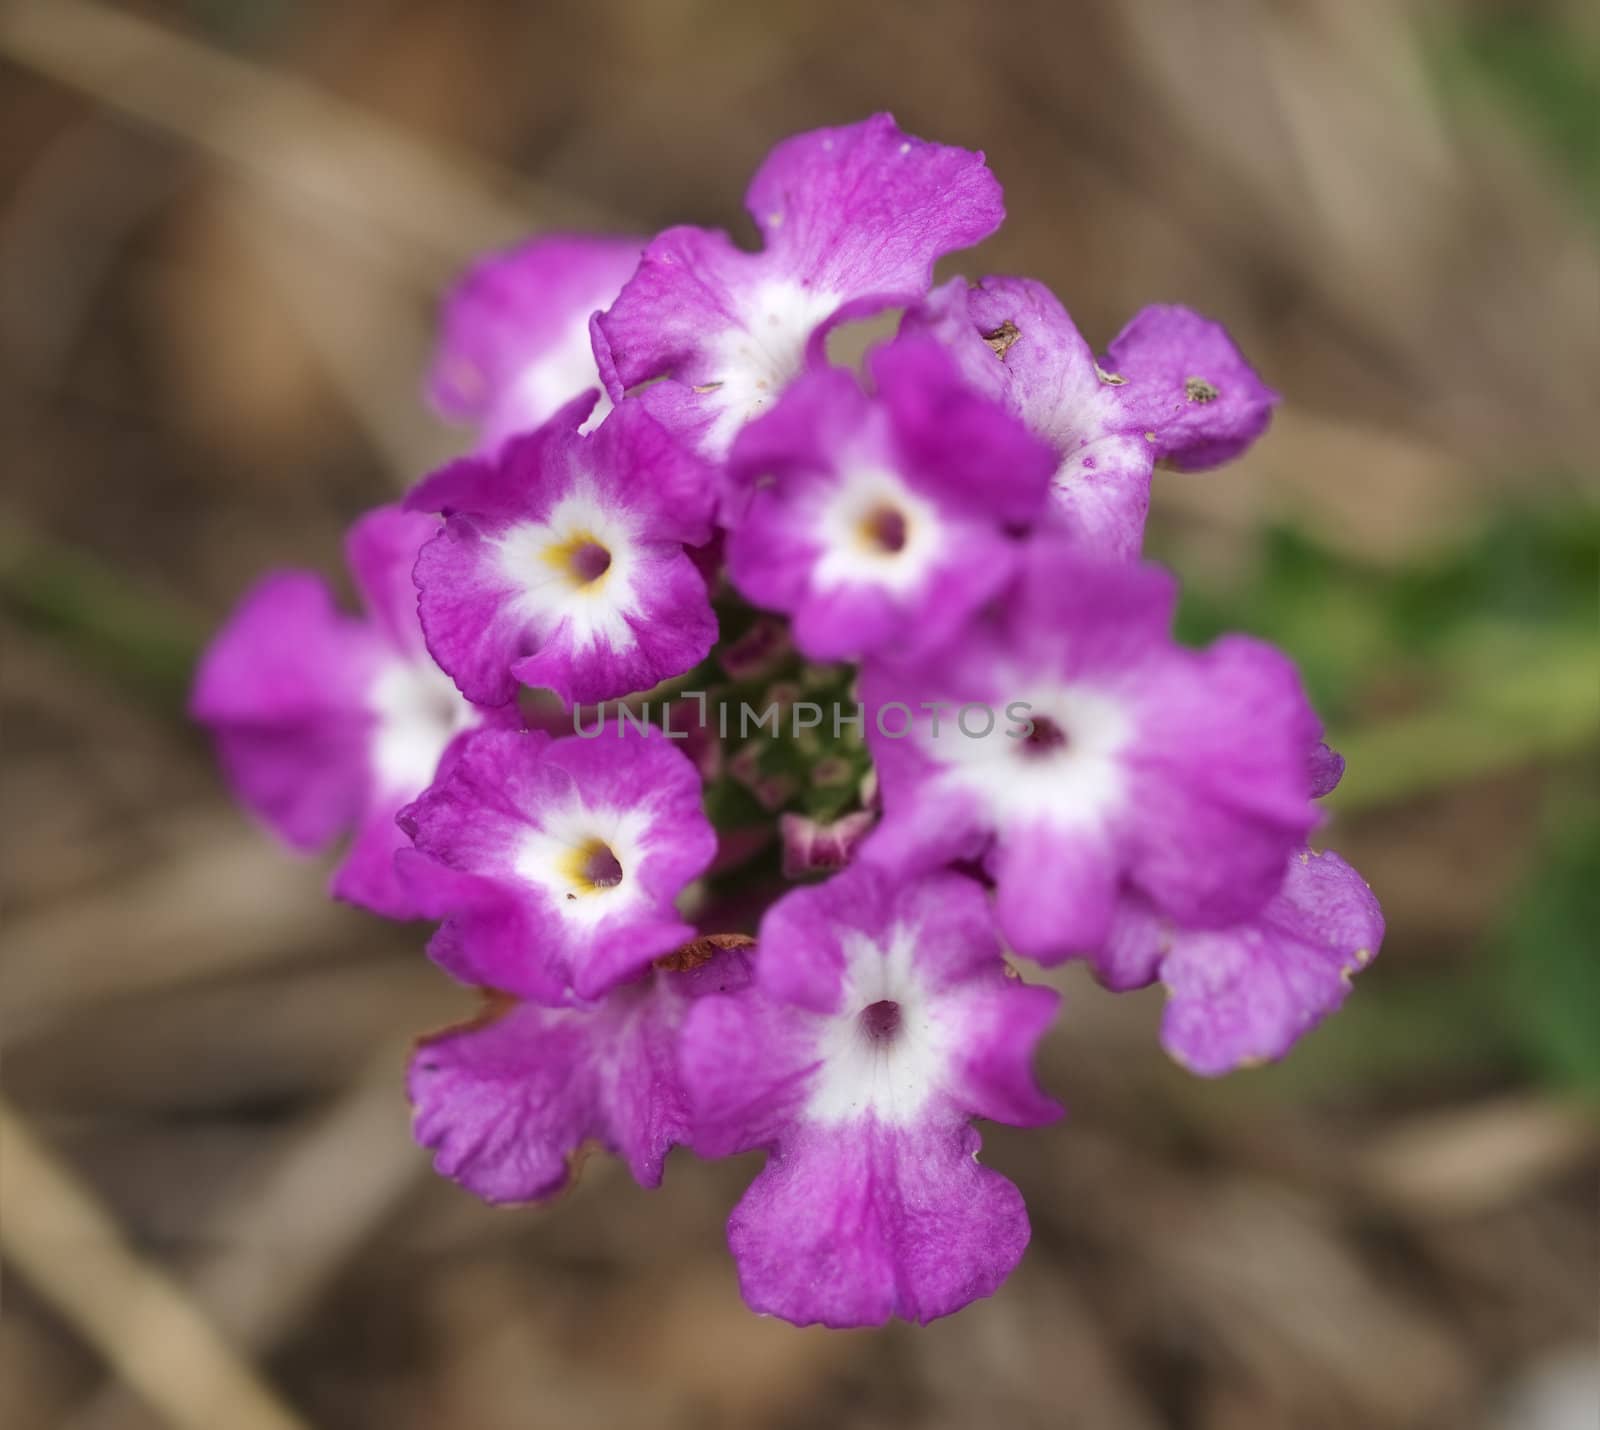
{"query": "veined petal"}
[(1172, 387), (849, 1229), (514, 346), (558, 861), (876, 522), (1099, 752), (281, 689), (881, 1020), (1189, 387), (853, 219), (325, 723), (561, 563), (506, 1102), (1248, 992)]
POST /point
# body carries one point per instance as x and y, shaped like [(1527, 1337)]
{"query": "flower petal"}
[(561, 562), (515, 343), (558, 861), (1186, 384), (853, 220), (282, 689), (865, 209), (506, 1102), (851, 1230), (1248, 993)]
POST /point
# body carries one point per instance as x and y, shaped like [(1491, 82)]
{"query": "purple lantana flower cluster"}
[(710, 635)]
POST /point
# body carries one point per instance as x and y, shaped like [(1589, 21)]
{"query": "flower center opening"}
[(589, 562), (1045, 737), (880, 1021), (884, 529), (582, 559), (602, 868), (592, 867)]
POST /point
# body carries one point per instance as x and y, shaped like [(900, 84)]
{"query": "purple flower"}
[(852, 220), (1171, 387), (1071, 745), (325, 722), (555, 863), (756, 653), (561, 563), (878, 522), (811, 847), (951, 538), (515, 346), (1248, 993), (881, 1021), (506, 1102)]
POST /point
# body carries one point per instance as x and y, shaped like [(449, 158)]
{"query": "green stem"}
[(1543, 706), (106, 620)]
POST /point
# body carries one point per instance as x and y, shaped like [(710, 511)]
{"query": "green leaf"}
[(1546, 950)]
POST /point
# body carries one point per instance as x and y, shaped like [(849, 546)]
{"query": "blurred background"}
[(224, 227)]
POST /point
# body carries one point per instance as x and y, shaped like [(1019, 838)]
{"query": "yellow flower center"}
[(884, 529), (580, 558), (590, 867)]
